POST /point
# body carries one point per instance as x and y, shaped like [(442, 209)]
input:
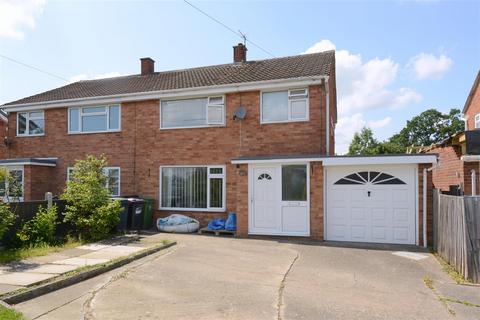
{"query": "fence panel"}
[(456, 222), (25, 211), (472, 218)]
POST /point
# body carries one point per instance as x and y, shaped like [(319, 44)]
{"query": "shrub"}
[(41, 229), (7, 217), (89, 207)]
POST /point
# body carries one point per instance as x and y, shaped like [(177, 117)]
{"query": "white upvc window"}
[(31, 123), (113, 179), (94, 119), (477, 121), (192, 113), (11, 190), (284, 106), (192, 188)]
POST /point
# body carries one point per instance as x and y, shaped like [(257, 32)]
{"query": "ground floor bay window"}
[(192, 188)]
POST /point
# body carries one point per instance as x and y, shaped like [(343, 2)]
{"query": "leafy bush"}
[(89, 207), (41, 229), (7, 217)]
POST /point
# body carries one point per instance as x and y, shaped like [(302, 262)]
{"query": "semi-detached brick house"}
[(459, 156), (251, 137)]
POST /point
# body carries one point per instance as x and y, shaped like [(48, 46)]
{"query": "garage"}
[(371, 203)]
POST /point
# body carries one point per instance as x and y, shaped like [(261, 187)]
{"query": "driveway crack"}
[(87, 312), (281, 289)]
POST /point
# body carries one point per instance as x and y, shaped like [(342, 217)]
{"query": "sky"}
[(394, 59)]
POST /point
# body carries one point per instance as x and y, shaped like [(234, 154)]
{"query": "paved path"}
[(220, 278), (28, 272)]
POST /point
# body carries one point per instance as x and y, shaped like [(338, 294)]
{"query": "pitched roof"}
[(472, 92), (307, 65)]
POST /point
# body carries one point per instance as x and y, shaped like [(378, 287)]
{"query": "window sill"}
[(196, 127), (29, 135), (94, 132), (284, 121), (193, 209)]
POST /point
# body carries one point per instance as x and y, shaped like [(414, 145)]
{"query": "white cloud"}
[(323, 45), (84, 76), (381, 123), (345, 129), (426, 65), (347, 126), (366, 85), (15, 15)]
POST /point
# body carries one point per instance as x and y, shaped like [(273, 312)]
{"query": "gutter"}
[(166, 94)]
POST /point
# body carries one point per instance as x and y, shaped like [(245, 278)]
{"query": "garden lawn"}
[(9, 314), (10, 255)]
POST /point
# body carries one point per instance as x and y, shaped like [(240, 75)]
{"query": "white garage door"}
[(371, 204)]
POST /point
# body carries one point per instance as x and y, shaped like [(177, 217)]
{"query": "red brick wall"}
[(316, 201), (37, 181), (473, 108), (141, 147), (429, 205), (449, 170), (3, 133)]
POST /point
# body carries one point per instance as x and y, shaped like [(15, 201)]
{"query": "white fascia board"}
[(266, 161), (168, 94), (470, 158), (28, 163), (348, 161)]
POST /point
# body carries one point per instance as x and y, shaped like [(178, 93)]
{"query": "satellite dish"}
[(240, 113)]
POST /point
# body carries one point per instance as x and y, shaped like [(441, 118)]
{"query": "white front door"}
[(279, 200), (371, 204), (265, 200)]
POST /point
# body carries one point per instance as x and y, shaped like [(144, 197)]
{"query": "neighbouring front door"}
[(279, 201)]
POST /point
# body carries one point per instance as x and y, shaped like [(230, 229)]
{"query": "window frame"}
[(27, 123), (223, 176), (6, 197), (476, 122), (291, 97), (107, 113), (207, 124), (107, 186)]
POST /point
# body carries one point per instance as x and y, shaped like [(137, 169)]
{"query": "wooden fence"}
[(25, 211), (456, 227)]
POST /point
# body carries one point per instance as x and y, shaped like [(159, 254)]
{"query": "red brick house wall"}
[(449, 170), (3, 133), (472, 106), (142, 147)]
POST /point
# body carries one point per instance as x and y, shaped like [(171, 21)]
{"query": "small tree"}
[(364, 143), (41, 229), (89, 206), (7, 217)]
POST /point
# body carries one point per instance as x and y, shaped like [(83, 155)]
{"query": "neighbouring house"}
[(458, 168), (251, 137)]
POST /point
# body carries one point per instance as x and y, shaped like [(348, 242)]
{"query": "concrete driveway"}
[(221, 278)]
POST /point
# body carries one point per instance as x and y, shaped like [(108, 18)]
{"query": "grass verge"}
[(450, 270), (9, 314), (10, 255)]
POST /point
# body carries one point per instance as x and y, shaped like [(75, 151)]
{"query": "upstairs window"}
[(94, 119), (192, 113), (30, 123), (477, 121), (284, 106)]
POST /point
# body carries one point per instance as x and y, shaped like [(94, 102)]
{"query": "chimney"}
[(239, 53), (147, 66)]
